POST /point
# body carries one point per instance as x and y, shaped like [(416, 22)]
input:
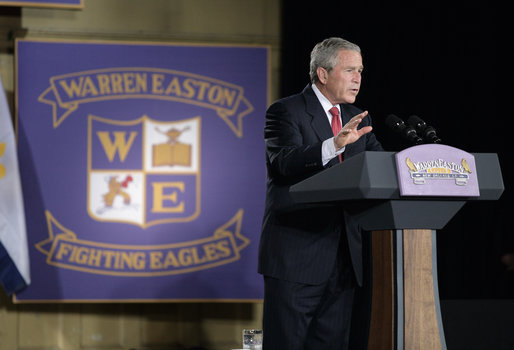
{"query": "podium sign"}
[(436, 170)]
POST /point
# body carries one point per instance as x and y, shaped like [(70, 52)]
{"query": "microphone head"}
[(426, 131), (408, 132), (417, 123), (395, 123)]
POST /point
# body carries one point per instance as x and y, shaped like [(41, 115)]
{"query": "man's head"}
[(336, 67)]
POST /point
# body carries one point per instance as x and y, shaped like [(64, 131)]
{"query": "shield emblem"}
[(144, 172)]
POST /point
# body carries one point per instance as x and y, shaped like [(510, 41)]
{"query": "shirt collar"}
[(325, 103)]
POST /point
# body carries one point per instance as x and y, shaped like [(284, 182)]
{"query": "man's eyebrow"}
[(354, 67)]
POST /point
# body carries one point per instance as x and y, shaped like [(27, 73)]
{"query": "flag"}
[(14, 257)]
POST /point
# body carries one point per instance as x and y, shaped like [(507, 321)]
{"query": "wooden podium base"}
[(405, 312)]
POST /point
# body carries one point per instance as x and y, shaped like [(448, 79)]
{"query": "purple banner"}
[(142, 168), (75, 4), (436, 170)]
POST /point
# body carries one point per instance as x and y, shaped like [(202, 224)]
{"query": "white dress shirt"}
[(328, 149)]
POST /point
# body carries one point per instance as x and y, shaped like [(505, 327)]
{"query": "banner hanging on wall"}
[(142, 169), (72, 4)]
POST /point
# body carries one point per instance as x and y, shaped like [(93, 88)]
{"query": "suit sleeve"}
[(292, 151)]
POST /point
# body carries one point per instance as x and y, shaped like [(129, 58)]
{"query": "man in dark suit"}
[(311, 255)]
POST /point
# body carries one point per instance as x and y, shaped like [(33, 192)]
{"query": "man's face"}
[(342, 84)]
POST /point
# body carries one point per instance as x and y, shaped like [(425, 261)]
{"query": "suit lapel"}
[(345, 114), (319, 121)]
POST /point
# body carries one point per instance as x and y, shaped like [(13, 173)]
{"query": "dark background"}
[(452, 65)]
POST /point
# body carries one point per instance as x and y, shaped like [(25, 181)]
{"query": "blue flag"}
[(14, 258)]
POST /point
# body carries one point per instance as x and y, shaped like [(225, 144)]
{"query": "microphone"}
[(398, 125), (427, 132)]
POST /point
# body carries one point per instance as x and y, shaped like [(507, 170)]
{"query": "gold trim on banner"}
[(67, 91), (65, 250)]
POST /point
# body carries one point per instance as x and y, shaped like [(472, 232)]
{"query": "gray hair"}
[(324, 55)]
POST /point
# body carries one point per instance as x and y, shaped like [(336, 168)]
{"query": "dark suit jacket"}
[(299, 242)]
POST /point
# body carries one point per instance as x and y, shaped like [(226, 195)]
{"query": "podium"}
[(405, 311)]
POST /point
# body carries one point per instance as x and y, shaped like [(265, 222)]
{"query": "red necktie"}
[(336, 125)]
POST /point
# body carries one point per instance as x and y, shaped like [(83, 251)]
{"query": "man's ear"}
[(322, 75)]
